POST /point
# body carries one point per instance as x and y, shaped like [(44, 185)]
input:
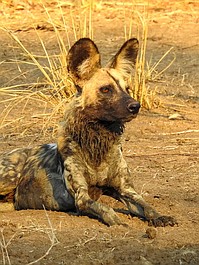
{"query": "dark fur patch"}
[(94, 137), (128, 51), (82, 50), (131, 49)]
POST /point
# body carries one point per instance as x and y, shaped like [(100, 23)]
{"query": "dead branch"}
[(181, 132), (53, 239)]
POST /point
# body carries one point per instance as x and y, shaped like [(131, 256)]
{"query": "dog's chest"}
[(104, 174), (99, 176)]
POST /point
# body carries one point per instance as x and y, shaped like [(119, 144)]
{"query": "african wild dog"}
[(87, 160)]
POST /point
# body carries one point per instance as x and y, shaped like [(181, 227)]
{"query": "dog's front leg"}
[(138, 206), (79, 189), (135, 202), (88, 206)]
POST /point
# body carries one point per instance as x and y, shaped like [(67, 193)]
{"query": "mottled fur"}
[(87, 160)]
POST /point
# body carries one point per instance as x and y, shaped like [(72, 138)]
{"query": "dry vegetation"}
[(55, 88)]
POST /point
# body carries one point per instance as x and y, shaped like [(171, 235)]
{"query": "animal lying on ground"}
[(87, 160)]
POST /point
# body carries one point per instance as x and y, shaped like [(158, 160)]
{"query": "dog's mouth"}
[(122, 119), (129, 118), (117, 125)]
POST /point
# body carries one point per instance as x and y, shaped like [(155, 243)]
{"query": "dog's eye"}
[(105, 89)]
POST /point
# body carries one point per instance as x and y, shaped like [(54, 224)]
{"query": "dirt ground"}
[(162, 152)]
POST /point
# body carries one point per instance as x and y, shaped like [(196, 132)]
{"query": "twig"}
[(82, 244), (182, 132), (163, 154), (4, 245), (52, 237), (4, 248), (47, 252)]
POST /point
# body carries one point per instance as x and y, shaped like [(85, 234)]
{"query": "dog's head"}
[(104, 90)]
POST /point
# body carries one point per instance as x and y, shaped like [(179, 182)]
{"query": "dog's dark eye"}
[(105, 89)]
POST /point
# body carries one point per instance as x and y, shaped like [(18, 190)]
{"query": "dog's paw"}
[(163, 221), (113, 219)]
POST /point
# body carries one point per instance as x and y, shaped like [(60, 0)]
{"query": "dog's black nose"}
[(133, 107)]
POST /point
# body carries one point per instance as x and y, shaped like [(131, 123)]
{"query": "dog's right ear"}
[(83, 60)]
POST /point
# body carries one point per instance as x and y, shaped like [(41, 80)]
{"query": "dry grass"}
[(56, 88), (144, 72), (5, 244)]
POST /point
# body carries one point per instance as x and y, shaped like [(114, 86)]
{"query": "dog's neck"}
[(94, 137)]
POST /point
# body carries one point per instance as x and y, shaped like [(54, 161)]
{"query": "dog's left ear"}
[(125, 59), (83, 60)]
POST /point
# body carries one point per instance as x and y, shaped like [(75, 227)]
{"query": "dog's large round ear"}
[(125, 58), (83, 60)]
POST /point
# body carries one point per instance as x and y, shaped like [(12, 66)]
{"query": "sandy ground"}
[(162, 153)]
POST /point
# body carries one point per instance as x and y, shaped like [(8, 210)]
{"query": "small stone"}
[(151, 232)]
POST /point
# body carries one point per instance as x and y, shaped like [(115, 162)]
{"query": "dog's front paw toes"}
[(113, 220), (163, 221), (116, 221)]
